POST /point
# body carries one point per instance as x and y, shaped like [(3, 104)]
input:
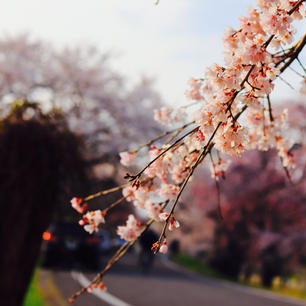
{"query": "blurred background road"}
[(164, 286)]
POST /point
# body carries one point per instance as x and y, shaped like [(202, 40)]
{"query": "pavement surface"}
[(166, 285)]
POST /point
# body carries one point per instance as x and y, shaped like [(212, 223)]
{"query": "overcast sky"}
[(172, 41)]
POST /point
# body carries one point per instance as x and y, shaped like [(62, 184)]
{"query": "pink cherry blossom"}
[(76, 204), (194, 92), (127, 158), (131, 230), (91, 220), (168, 191), (164, 248)]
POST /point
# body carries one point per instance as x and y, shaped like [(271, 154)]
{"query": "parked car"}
[(67, 244)]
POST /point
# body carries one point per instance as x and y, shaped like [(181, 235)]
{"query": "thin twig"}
[(286, 82), (236, 117), (303, 67), (161, 136), (134, 177), (192, 104), (104, 192), (114, 204), (296, 72), (178, 131), (288, 175), (298, 48), (108, 191)]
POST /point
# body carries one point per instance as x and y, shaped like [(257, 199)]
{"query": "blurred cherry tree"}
[(98, 102), (263, 226)]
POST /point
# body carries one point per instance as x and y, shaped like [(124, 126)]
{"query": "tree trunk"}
[(27, 197)]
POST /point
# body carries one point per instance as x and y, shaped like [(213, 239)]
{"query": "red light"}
[(93, 239), (47, 236)]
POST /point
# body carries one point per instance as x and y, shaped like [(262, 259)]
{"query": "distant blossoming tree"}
[(233, 114), (263, 227), (81, 83)]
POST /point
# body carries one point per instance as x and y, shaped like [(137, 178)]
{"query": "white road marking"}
[(103, 295)]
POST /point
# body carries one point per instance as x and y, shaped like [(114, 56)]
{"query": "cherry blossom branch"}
[(116, 257), (293, 56), (108, 191), (232, 99), (131, 178), (200, 158), (296, 50), (236, 117), (295, 7), (100, 274)]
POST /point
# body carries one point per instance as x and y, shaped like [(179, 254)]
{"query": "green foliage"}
[(197, 265), (34, 296)]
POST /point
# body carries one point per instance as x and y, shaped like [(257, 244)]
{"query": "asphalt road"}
[(164, 286)]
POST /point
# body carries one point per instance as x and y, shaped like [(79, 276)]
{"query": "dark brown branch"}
[(295, 7), (298, 48), (240, 113), (270, 108)]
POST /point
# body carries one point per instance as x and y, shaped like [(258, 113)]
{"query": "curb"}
[(50, 292)]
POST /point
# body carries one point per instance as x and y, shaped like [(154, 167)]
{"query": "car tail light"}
[(47, 236), (93, 239)]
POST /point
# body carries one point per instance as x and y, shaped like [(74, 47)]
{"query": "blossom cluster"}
[(245, 81), (131, 230)]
